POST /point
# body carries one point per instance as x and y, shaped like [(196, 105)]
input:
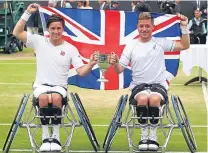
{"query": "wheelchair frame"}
[(131, 118), (67, 114)]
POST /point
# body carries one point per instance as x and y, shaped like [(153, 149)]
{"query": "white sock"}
[(144, 131), (45, 133), (56, 132), (153, 131)]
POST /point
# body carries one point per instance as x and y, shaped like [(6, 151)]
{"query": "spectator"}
[(80, 4), (67, 4), (142, 6), (133, 5), (52, 3), (87, 4), (177, 8), (197, 28), (32, 24), (114, 5), (104, 5), (204, 9)]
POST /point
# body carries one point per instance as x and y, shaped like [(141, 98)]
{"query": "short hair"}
[(145, 16), (55, 18)]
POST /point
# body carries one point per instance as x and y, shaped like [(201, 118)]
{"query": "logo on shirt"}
[(62, 53)]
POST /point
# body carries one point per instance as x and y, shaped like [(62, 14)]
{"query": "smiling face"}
[(145, 26), (145, 29), (55, 30)]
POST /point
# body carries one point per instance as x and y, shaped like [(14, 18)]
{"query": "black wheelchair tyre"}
[(87, 120), (16, 123), (187, 124), (183, 123), (116, 123), (111, 123), (84, 121)]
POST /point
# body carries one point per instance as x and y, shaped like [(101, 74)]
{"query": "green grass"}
[(100, 106)]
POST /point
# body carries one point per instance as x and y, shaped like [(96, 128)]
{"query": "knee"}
[(43, 100), (155, 100), (57, 100), (142, 99)]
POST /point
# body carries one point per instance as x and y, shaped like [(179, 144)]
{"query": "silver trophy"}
[(103, 65)]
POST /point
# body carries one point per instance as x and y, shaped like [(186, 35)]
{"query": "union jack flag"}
[(109, 31)]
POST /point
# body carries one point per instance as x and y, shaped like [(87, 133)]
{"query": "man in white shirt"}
[(149, 85), (54, 57)]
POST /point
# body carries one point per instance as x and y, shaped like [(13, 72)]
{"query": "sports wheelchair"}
[(68, 123), (166, 121)]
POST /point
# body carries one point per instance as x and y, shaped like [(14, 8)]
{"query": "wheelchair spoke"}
[(183, 125)]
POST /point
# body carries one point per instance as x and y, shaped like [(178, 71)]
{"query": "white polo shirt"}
[(53, 62), (147, 60)]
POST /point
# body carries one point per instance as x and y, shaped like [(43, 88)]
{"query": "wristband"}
[(184, 30), (25, 16)]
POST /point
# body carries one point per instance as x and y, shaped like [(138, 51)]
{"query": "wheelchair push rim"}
[(115, 123), (183, 123), (16, 123), (85, 122), (111, 123), (88, 121)]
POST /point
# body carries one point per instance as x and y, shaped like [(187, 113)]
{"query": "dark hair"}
[(55, 18), (142, 7)]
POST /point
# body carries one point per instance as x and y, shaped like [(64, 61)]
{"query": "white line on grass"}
[(24, 83), (86, 151), (205, 94), (103, 125), (15, 84), (18, 63)]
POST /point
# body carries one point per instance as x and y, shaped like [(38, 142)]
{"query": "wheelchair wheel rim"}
[(111, 123), (87, 120), (84, 122), (116, 123), (16, 123), (181, 126), (187, 125)]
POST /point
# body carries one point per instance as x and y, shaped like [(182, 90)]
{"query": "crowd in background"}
[(197, 23)]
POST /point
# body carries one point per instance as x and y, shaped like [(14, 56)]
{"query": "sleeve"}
[(32, 40), (204, 30), (76, 59), (168, 45), (126, 55), (190, 24)]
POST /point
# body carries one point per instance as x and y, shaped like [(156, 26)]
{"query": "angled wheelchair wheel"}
[(183, 123), (85, 122), (87, 119), (115, 123), (16, 123), (114, 116)]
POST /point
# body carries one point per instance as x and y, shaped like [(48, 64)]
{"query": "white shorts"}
[(39, 89), (148, 92)]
